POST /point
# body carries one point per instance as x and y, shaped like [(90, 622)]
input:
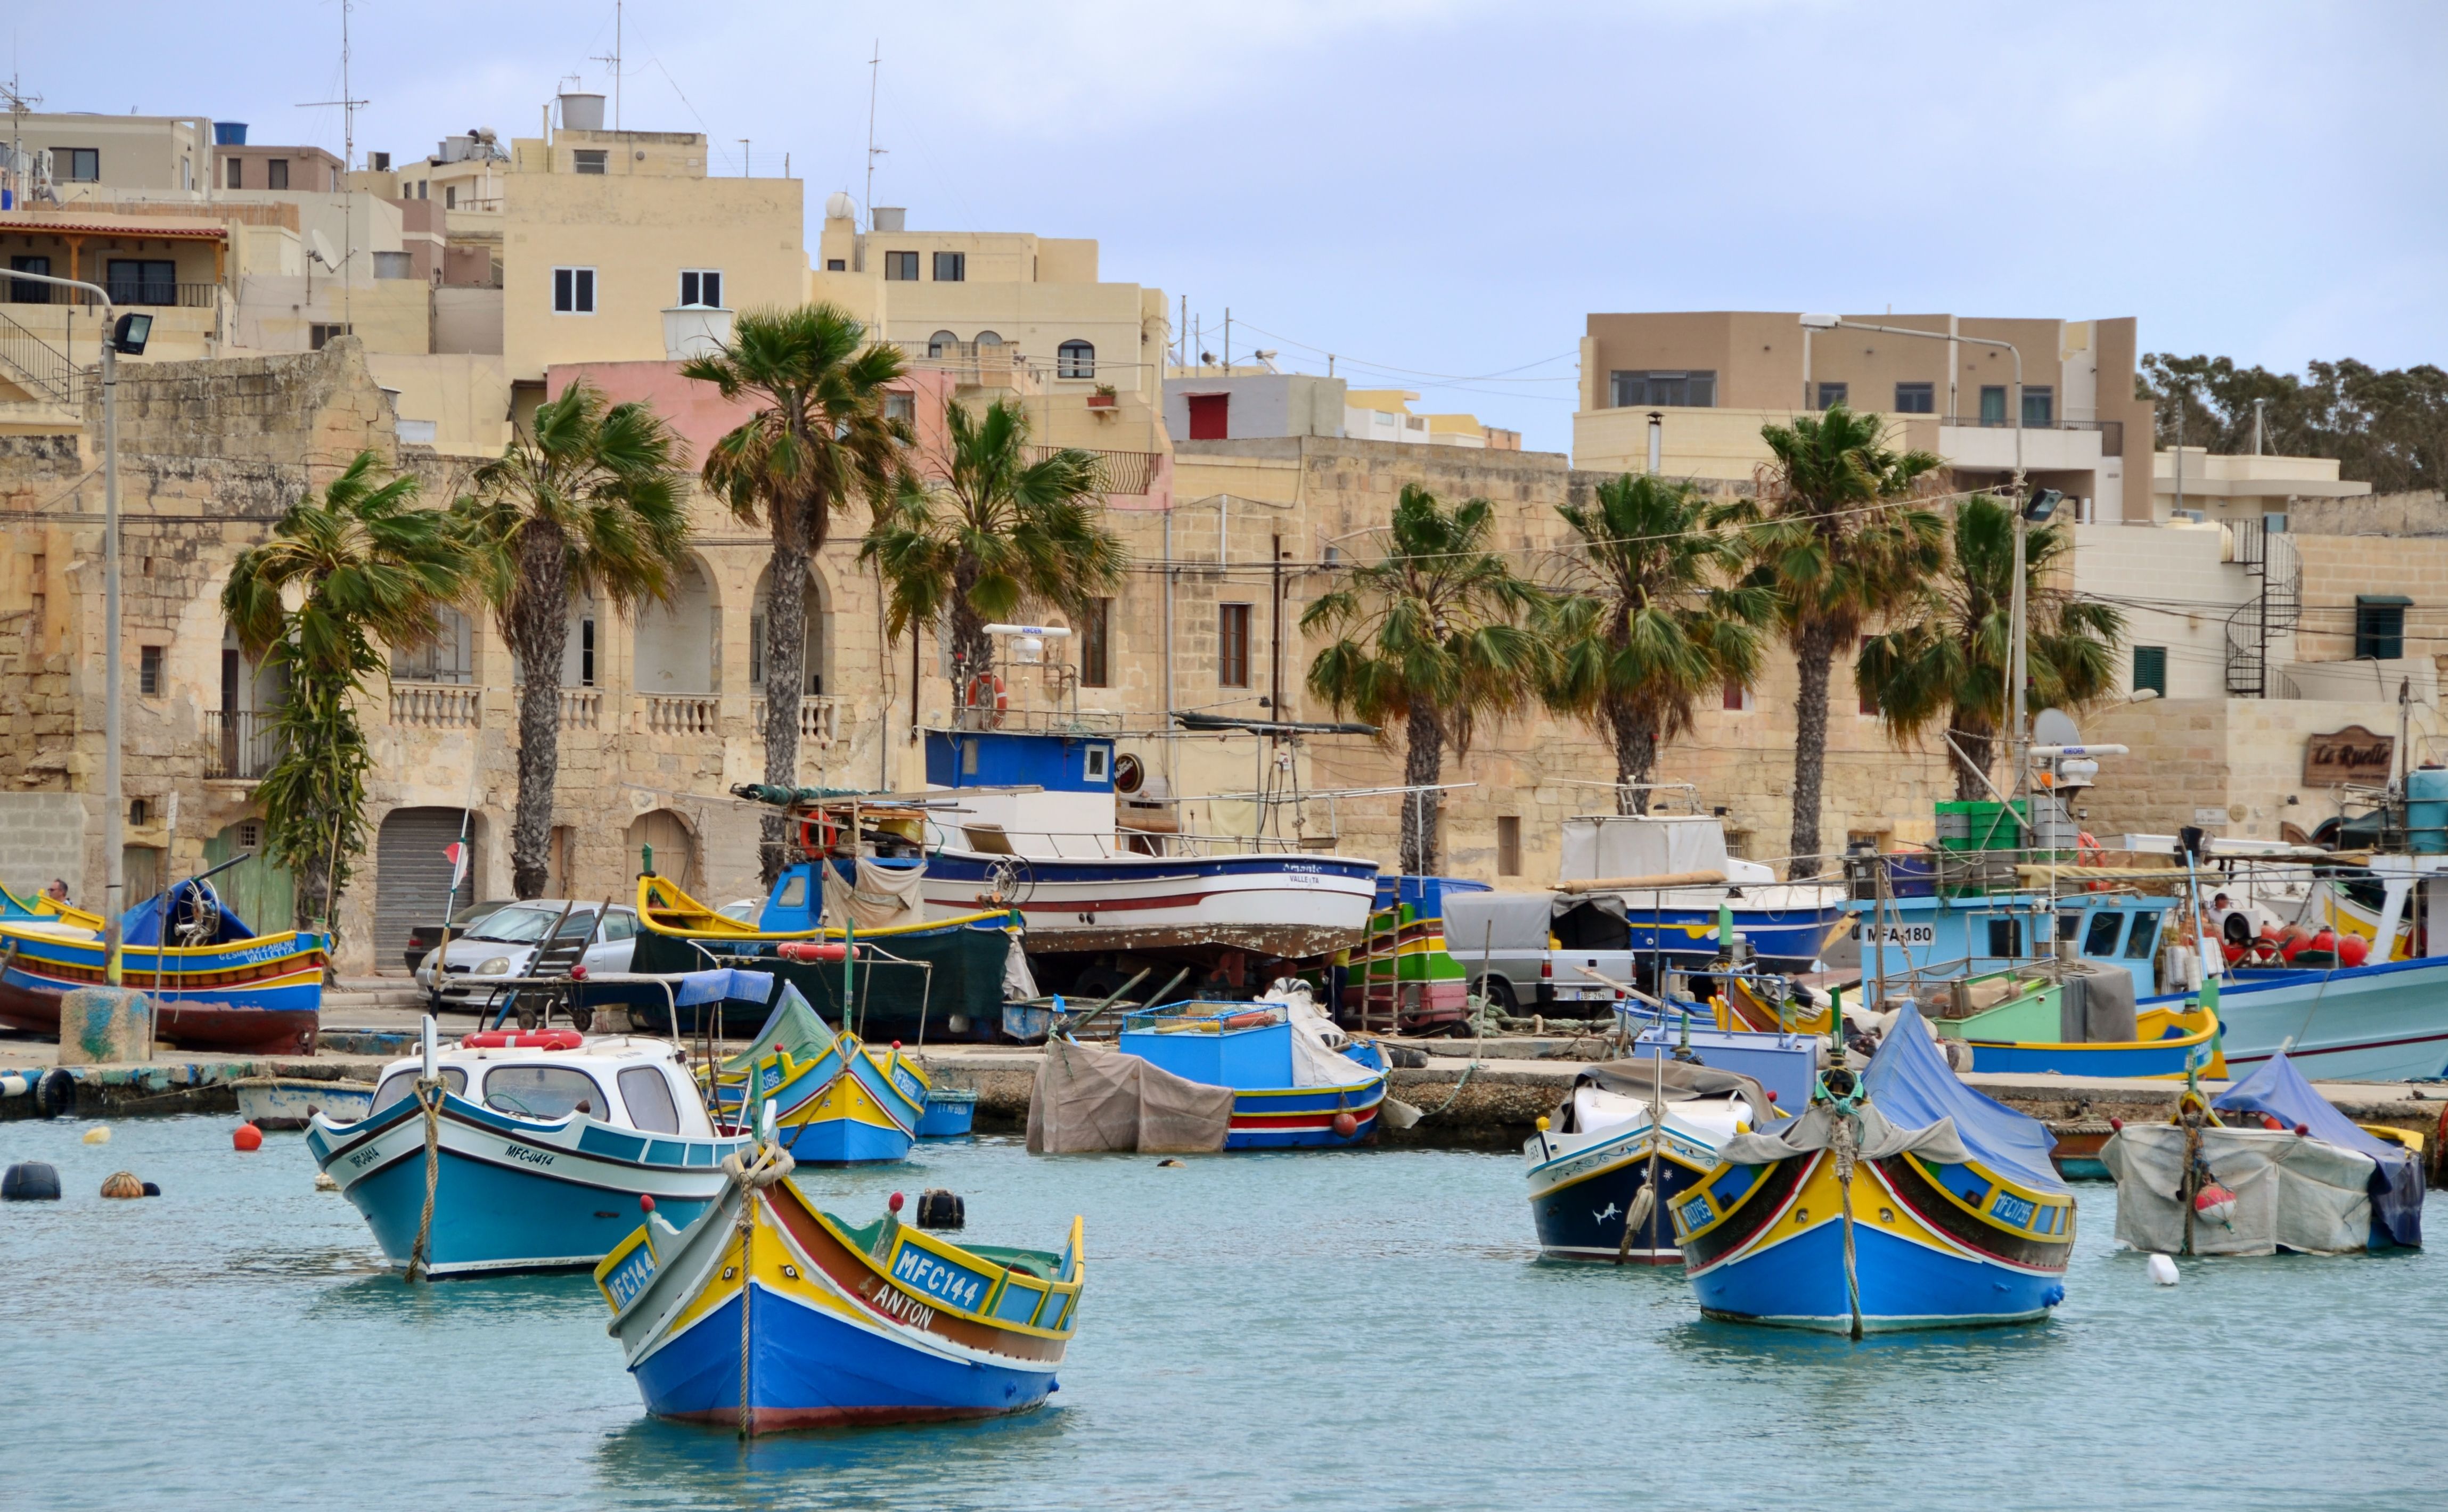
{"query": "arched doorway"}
[(673, 844), (412, 875), (813, 668), (674, 642), (263, 894)]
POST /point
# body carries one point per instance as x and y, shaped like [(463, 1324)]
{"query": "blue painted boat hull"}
[(488, 1217), (1585, 1219), (1799, 1283), (811, 1369)]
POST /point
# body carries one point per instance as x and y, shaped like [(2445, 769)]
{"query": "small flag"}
[(457, 851)]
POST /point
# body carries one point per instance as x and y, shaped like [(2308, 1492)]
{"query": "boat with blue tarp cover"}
[(1901, 1199), (833, 1099), (1297, 1081), (767, 1312), (216, 984), (2280, 1092), (535, 1146)]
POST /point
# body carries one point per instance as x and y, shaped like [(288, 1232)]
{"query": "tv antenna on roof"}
[(349, 105), (874, 71), (613, 61)]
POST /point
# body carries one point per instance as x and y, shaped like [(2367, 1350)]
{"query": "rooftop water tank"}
[(888, 217), (229, 133), (2426, 810), (582, 113)]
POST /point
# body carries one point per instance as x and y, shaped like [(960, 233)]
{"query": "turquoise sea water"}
[(1363, 1330)]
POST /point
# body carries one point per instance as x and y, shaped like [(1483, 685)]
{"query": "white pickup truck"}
[(1516, 948)]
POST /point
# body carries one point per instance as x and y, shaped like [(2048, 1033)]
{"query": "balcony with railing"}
[(686, 714), (582, 708), (1123, 471), (820, 718), (241, 745), (125, 292), (436, 705), (989, 365)]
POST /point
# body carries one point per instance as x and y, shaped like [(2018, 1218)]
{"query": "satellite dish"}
[(318, 246), (2054, 727)]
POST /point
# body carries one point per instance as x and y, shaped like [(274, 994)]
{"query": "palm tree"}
[(997, 533), (1834, 535), (1949, 661), (365, 567), (818, 437), (1643, 622), (591, 498), (1431, 635)]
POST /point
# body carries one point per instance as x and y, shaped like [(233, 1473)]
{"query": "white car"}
[(501, 946)]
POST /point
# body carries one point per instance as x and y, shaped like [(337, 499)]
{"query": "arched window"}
[(942, 344), (988, 338), (1075, 359)]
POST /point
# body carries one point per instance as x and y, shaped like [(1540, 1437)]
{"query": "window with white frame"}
[(1075, 359), (702, 288), (573, 291)]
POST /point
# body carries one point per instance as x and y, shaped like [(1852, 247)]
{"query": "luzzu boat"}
[(544, 1142), (1296, 1080), (225, 989), (1901, 1199), (1627, 1140), (767, 1314), (833, 1100), (1629, 864)]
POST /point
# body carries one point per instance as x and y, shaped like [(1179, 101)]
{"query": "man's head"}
[(58, 891), (2219, 902)]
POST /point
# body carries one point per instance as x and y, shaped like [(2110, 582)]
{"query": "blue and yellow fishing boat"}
[(835, 1100), (1902, 1200), (1297, 1081), (219, 986), (767, 1314)]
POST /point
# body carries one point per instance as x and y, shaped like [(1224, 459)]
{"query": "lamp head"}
[(2042, 503), (1820, 322), (130, 334)]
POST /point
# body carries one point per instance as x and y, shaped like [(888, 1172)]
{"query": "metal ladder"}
[(1385, 943)]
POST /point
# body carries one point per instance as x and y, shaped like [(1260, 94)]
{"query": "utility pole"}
[(2258, 405), (743, 157), (613, 62), (20, 105), (874, 74), (347, 103)]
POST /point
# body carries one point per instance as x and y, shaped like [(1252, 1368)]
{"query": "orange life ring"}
[(2088, 853), (819, 834), (985, 681), (523, 1039)]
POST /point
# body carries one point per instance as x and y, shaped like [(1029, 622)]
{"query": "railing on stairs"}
[(2272, 613), (37, 367)]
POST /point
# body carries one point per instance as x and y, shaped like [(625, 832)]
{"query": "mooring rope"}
[(771, 1165), (429, 1098), (1841, 1139)]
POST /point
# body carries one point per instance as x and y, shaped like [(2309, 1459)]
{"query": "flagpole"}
[(458, 868)]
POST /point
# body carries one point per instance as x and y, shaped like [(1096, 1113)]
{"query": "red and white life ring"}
[(819, 834), (974, 697), (522, 1040)]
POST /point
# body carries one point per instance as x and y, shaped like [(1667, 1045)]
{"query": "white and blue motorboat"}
[(542, 1143), (1036, 829), (1657, 885)]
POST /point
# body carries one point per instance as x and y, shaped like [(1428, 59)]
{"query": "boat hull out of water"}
[(291, 1101), (2378, 1023)]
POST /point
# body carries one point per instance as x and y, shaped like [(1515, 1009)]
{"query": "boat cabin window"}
[(2105, 927), (2069, 925), (541, 1091), (795, 891), (2006, 937), (649, 1098), (2146, 933), (403, 1084)]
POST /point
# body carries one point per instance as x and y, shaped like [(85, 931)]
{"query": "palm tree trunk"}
[(1635, 756), (972, 648), (786, 674), (1813, 651), (1973, 753), (538, 633), (1422, 763)]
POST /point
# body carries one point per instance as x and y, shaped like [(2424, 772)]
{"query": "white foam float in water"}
[(2163, 1269)]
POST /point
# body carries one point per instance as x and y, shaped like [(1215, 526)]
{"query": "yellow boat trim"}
[(657, 895)]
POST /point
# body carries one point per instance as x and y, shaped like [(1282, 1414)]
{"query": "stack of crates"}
[(1980, 841)]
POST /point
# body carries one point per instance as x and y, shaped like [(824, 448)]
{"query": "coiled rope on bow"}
[(771, 1164), (1844, 1143), (429, 1098)]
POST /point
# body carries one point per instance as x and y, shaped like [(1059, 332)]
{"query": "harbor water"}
[(1363, 1329)]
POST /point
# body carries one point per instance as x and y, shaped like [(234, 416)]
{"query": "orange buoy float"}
[(804, 950), (1345, 1125), (246, 1137), (121, 1184), (2216, 1204), (645, 1202)]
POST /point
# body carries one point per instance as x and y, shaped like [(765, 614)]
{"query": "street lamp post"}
[(2020, 738), (114, 861)]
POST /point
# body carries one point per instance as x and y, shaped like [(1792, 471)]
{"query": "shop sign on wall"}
[(2351, 755)]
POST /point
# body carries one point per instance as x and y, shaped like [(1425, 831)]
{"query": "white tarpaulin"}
[(1088, 1100), (883, 896), (1636, 846), (1880, 1139), (2291, 1191), (1318, 1059)]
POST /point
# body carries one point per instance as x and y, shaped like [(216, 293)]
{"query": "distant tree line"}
[(2387, 428)]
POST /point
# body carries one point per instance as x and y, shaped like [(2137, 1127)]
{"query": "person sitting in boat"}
[(58, 892)]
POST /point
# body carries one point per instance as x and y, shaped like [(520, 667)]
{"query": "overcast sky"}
[(1441, 191)]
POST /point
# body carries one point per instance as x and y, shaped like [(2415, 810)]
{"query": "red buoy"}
[(578, 973), (2303, 1129), (645, 1202), (896, 1045), (246, 1137), (893, 1202), (2116, 1125), (1771, 1097), (1345, 1125)]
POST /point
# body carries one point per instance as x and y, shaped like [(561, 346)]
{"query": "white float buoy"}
[(98, 1134), (323, 1182), (2163, 1269)]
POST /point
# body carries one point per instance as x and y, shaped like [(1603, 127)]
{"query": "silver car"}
[(501, 946)]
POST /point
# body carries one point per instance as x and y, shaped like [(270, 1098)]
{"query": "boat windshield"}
[(518, 926), (541, 1091), (403, 1083)]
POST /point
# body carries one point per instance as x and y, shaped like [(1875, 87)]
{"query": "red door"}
[(1207, 416)]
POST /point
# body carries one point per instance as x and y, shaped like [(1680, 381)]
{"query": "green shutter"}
[(2151, 669)]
